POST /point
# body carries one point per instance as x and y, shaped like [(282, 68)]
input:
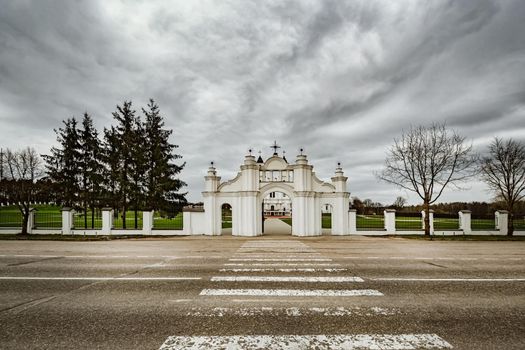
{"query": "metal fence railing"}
[(90, 221), (370, 222), (169, 223), (446, 221), (118, 221), (519, 222), (483, 222), (48, 219), (409, 221), (10, 218)]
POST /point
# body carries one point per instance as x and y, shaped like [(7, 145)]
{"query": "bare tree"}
[(426, 160), (400, 202), (503, 169), (23, 169), (2, 163)]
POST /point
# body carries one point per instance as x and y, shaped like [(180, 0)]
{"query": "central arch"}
[(266, 191)]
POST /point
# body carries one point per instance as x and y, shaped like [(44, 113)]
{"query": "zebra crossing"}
[(291, 256)]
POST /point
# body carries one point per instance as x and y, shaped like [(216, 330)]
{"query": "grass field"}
[(460, 237), (287, 220), (377, 223), (226, 221), (160, 223)]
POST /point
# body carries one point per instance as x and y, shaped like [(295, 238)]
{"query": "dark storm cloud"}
[(340, 78)]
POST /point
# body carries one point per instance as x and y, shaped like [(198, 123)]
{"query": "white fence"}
[(194, 224)]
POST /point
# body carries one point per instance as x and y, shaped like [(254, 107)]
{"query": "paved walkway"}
[(276, 227)]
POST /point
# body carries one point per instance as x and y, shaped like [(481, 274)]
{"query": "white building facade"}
[(277, 204), (256, 180)]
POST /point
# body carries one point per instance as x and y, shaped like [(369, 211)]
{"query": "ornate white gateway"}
[(255, 181)]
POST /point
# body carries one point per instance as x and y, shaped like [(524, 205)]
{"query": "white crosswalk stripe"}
[(282, 270), (358, 341), (292, 292), (322, 279), (293, 311)]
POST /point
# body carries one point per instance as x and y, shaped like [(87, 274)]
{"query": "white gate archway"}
[(257, 178)]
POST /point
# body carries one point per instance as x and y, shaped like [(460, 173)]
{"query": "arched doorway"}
[(226, 219), (277, 213), (326, 218)]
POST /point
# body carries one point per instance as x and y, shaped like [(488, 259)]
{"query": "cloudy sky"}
[(339, 78)]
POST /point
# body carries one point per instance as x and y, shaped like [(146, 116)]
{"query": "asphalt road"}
[(344, 291)]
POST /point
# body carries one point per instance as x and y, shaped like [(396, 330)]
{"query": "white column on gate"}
[(304, 204), (248, 220), (340, 224), (212, 214)]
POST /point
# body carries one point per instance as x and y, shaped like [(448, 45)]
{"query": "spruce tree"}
[(90, 168), (111, 169), (161, 185), (137, 170), (126, 135), (62, 165)]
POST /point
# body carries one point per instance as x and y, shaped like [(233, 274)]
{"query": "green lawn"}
[(370, 222), (10, 218), (443, 224), (461, 237), (482, 224), (50, 216), (164, 223), (226, 221), (519, 223), (46, 216), (287, 220), (326, 220)]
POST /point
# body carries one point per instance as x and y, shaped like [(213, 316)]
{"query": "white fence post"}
[(352, 221), (390, 221), (430, 220), (147, 222), (465, 221), (107, 221), (502, 222), (67, 220), (31, 220)]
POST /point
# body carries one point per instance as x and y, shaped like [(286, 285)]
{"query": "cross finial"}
[(275, 147)]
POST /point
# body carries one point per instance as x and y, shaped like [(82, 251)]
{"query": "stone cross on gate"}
[(275, 147)]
